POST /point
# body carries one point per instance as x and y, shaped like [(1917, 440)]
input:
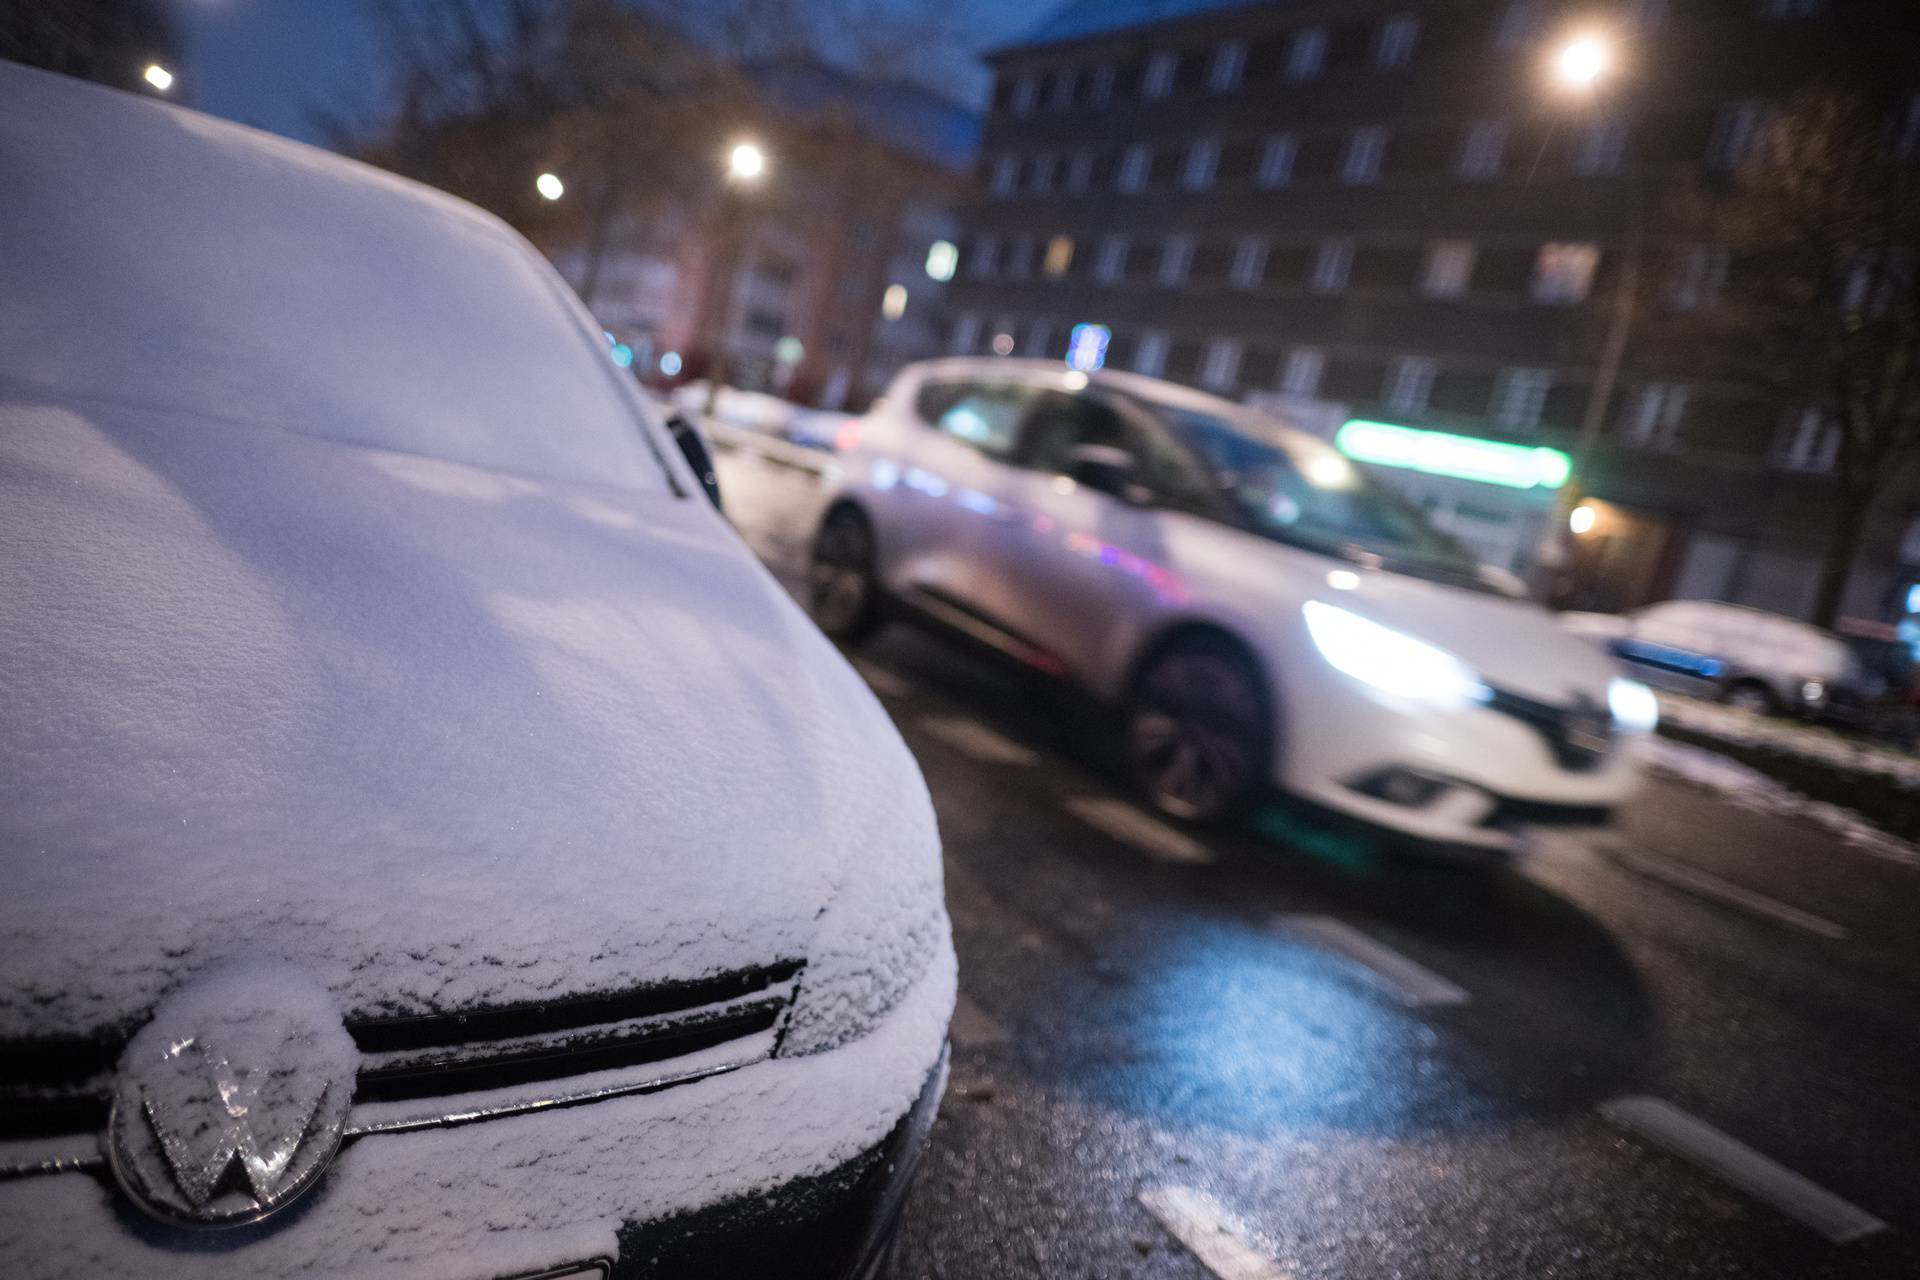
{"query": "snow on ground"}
[(1790, 737), (1752, 789)]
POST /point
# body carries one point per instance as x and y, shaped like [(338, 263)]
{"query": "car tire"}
[(1199, 729), (843, 591), (1752, 696)]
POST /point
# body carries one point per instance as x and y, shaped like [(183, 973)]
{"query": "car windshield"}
[(1304, 492)]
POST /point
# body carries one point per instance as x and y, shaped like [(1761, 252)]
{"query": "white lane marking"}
[(971, 738), (1127, 824), (1714, 889), (1199, 1222), (881, 680), (1414, 984), (1763, 1179), (972, 1026)]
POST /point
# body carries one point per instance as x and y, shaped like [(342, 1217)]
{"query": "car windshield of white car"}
[(1312, 496)]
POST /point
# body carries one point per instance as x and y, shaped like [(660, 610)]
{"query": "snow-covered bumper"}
[(795, 1166)]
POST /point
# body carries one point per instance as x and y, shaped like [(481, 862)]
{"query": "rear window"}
[(985, 416)]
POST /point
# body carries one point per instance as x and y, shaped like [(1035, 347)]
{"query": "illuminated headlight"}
[(1635, 709), (1813, 690), (1390, 661)]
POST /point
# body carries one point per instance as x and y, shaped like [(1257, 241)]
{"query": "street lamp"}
[(1583, 61), (158, 76), (746, 162), (746, 165), (549, 186)]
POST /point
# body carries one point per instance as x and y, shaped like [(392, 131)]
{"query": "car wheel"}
[(842, 591), (1752, 697), (1199, 731)]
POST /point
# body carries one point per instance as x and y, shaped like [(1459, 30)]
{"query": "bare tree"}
[(1824, 307)]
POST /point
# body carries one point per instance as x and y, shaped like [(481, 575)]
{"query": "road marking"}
[(881, 680), (1414, 984), (971, 738), (972, 1027), (1763, 1179), (1127, 824), (1701, 885), (1199, 1222)]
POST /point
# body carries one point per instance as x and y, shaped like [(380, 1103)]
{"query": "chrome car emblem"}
[(233, 1099), (1588, 727)]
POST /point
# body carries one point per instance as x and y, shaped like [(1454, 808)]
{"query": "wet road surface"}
[(1686, 1046)]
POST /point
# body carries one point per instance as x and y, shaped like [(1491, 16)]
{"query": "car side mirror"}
[(693, 447), (1108, 470)]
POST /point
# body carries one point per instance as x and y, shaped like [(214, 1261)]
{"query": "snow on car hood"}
[(438, 734)]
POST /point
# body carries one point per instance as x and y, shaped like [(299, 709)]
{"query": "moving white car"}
[(432, 844), (1261, 610)]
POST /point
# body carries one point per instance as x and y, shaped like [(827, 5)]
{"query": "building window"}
[(1080, 172), (1699, 277), (1026, 90), (1037, 336), (1735, 131), (1775, 10), (1111, 266), (1020, 258), (1222, 367), (1150, 357), (1229, 63), (985, 249), (1134, 167), (1307, 53), (1332, 264), (1249, 263), (1041, 181), (1158, 80), (966, 333), (1811, 442), (1203, 157), (1394, 48), (1602, 145), (1301, 376), (1409, 384), (1064, 81), (893, 304), (1100, 87), (1520, 397), (1519, 24), (1647, 15), (1006, 175), (1563, 273), (1365, 148), (1059, 258), (1175, 258), (1449, 269), (1653, 416), (1276, 160), (1485, 145)]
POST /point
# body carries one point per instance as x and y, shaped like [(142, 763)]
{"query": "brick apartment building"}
[(1388, 209)]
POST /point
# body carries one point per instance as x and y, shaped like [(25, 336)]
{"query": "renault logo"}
[(233, 1100)]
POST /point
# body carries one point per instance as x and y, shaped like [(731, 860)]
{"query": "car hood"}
[(441, 736)]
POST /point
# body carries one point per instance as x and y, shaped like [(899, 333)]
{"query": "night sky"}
[(273, 63)]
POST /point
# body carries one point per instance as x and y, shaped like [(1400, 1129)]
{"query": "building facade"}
[(1394, 210)]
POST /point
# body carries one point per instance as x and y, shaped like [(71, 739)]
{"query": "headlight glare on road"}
[(1634, 707), (1391, 661)]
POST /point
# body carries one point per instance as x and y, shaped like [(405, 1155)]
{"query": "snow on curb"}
[(1815, 745), (1752, 789)]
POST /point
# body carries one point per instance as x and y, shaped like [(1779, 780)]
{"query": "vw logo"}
[(232, 1101)]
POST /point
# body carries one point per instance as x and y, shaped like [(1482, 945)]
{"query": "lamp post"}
[(1581, 67), (746, 167)]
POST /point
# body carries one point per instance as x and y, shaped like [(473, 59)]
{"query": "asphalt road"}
[(1688, 1046)]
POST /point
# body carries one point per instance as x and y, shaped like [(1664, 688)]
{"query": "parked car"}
[(1747, 658), (432, 845), (1260, 610)]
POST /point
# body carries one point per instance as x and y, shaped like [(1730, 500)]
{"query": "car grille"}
[(432, 1070), (1579, 736)]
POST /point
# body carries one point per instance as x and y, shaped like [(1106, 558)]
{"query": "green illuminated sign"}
[(1512, 466)]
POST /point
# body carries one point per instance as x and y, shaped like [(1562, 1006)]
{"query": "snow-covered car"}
[(432, 845), (1261, 610), (1761, 662)]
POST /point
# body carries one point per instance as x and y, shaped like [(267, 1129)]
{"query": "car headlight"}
[(1634, 707), (1391, 661)]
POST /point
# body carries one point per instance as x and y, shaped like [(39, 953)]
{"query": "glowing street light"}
[(1583, 518), (1582, 61), (549, 186), (746, 162), (158, 76)]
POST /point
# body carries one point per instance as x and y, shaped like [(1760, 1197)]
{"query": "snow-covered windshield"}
[(157, 258), (1307, 493)]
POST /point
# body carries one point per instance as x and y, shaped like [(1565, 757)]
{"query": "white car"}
[(1261, 610), (432, 844)]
